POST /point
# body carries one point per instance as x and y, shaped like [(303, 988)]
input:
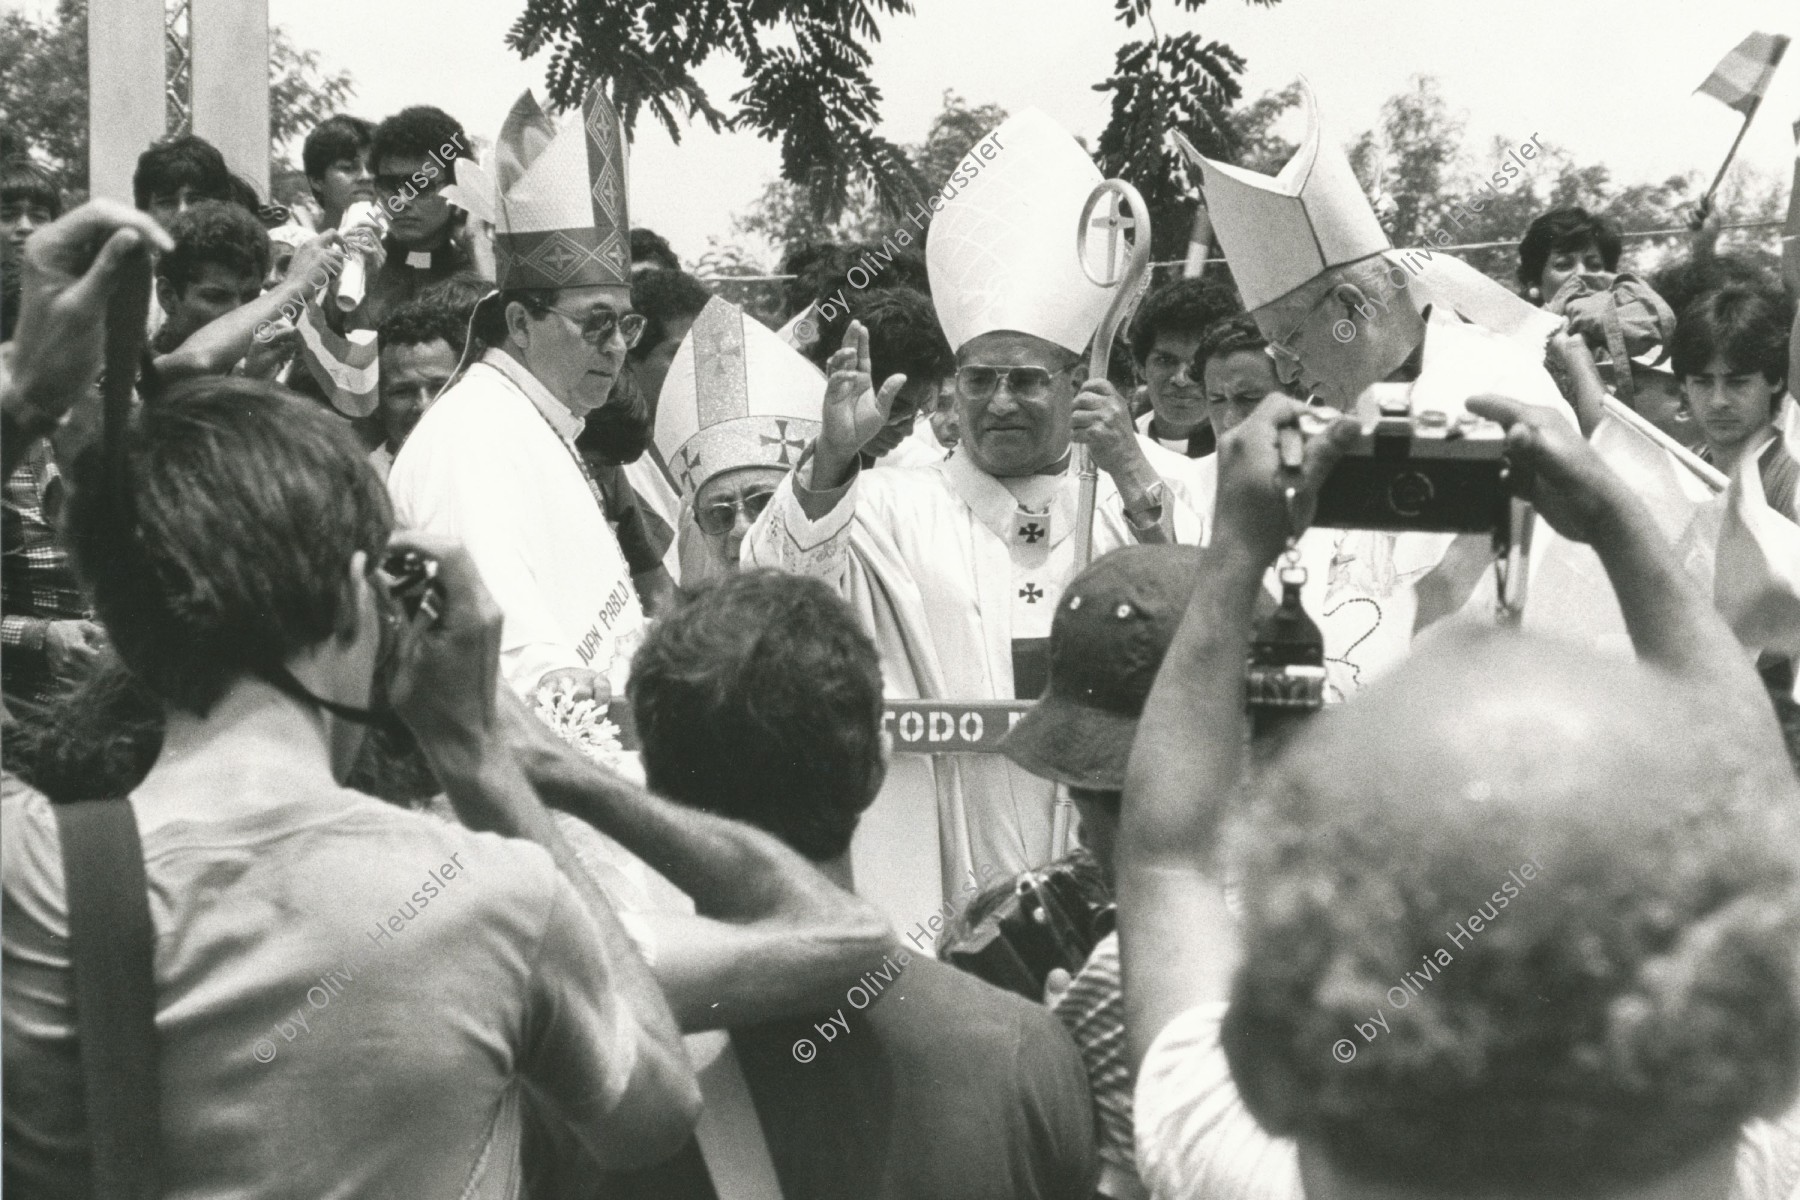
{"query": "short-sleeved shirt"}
[(1093, 1009), (1196, 1138), (347, 998)]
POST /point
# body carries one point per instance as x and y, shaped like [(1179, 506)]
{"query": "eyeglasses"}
[(598, 325), (1025, 383), (1287, 363), (716, 520)]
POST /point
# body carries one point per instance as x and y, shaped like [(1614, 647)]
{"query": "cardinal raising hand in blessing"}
[(854, 410)]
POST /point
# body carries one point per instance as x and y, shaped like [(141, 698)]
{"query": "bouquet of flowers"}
[(582, 724)]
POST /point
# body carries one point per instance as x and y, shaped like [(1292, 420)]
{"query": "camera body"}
[(415, 584), (1420, 472)]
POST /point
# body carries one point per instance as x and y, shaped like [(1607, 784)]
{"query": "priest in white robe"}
[(956, 568), (493, 461)]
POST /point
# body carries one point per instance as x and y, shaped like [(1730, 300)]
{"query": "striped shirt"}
[(37, 583)]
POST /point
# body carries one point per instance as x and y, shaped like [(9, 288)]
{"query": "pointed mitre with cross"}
[(557, 198), (1004, 247), (736, 396), (1280, 232)]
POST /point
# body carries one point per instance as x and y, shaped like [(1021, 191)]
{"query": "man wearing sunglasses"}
[(494, 462), (957, 567), (413, 156)]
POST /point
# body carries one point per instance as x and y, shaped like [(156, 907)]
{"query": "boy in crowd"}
[(221, 255), (1730, 351), (1165, 341), (175, 174)]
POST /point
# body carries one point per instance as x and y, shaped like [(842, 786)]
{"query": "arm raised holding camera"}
[(1177, 942)]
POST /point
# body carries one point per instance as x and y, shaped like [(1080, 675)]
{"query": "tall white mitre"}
[(557, 197), (1280, 232), (736, 396), (1003, 251)]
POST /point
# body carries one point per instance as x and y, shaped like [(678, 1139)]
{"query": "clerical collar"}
[(420, 259), (1034, 492), (567, 425)]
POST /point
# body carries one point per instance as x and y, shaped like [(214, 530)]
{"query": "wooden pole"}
[(125, 90)]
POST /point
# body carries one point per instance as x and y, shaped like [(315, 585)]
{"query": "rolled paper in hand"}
[(354, 282)]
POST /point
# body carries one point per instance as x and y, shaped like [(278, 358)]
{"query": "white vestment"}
[(945, 567), (492, 463)]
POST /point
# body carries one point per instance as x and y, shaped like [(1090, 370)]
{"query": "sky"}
[(1610, 80)]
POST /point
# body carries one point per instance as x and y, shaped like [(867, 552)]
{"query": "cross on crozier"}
[(1116, 224)]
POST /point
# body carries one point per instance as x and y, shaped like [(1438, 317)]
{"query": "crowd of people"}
[(432, 614)]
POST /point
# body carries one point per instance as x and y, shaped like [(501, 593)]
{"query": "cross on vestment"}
[(1031, 593), (1031, 532), (786, 443)]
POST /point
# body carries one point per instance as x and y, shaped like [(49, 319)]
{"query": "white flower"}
[(582, 724)]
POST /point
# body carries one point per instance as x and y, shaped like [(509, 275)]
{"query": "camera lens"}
[(1409, 493)]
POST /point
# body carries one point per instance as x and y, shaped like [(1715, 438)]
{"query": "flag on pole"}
[(347, 367), (1756, 583), (1742, 77)]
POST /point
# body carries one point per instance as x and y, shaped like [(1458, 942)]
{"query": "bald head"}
[(1549, 898)]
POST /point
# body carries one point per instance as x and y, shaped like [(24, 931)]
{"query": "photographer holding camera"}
[(1389, 821), (228, 550)]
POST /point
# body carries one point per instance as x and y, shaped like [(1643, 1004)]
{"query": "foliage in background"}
[(1423, 180), (814, 97), (44, 95)]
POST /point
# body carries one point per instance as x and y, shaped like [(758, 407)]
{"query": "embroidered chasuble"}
[(955, 575)]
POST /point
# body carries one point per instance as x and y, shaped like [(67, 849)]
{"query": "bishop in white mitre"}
[(955, 568), (493, 461), (1353, 321)]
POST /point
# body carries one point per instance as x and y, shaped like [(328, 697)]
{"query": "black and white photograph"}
[(899, 600)]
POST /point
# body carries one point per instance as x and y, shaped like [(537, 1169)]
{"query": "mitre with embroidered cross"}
[(736, 395), (1281, 231), (557, 198), (1004, 249)]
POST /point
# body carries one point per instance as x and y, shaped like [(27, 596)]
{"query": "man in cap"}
[(494, 461), (955, 568), (1107, 640), (738, 404), (1480, 902)]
